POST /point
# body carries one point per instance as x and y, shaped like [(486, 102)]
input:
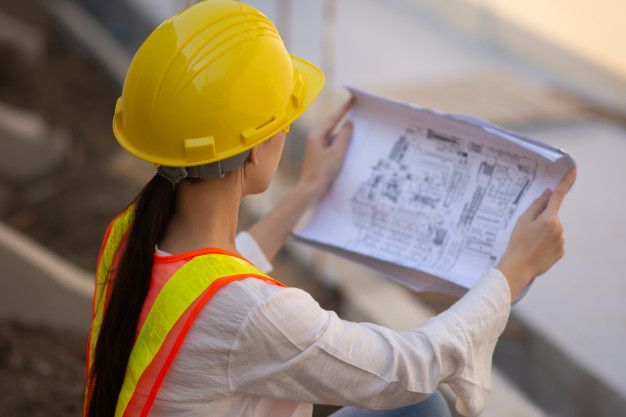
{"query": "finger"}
[(343, 137), (556, 199), (537, 206), (334, 118), (328, 140)]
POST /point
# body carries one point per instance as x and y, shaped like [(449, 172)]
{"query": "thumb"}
[(343, 137), (536, 207)]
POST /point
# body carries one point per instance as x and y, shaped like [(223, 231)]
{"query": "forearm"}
[(317, 357), (272, 230), (322, 160)]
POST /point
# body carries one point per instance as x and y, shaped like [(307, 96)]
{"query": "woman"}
[(185, 321)]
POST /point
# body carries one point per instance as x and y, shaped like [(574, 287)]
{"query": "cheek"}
[(260, 176), (279, 145)]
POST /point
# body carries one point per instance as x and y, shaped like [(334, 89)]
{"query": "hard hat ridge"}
[(217, 38)]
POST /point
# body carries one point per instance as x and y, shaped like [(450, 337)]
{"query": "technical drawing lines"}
[(436, 196)]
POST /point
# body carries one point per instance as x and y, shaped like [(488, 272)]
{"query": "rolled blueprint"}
[(429, 198)]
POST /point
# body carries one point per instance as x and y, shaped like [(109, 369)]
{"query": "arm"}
[(322, 160), (272, 230), (290, 348)]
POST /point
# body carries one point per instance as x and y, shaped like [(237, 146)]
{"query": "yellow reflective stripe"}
[(178, 293), (116, 233)]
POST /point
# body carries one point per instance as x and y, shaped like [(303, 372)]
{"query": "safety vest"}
[(179, 288)]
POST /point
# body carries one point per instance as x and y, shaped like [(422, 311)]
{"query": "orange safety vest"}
[(179, 287)]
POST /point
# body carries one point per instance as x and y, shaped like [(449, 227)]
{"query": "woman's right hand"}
[(536, 242), (325, 153)]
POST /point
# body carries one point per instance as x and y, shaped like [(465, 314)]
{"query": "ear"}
[(253, 156)]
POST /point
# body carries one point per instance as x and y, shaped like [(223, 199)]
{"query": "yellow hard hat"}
[(210, 83)]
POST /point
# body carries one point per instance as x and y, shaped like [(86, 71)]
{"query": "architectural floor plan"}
[(435, 196), (429, 198)]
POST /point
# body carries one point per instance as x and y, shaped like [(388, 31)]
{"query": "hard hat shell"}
[(209, 83)]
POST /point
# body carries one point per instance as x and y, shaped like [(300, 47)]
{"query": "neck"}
[(206, 216)]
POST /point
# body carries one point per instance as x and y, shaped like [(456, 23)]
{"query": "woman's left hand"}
[(324, 153)]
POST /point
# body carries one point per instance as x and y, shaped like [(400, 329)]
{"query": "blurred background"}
[(554, 70)]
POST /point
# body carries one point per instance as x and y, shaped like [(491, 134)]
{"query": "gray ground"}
[(41, 370)]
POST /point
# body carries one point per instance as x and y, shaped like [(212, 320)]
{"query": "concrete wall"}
[(38, 287)]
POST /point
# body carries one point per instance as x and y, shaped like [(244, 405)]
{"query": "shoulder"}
[(220, 319), (244, 295), (287, 314), (241, 300), (252, 306), (253, 297)]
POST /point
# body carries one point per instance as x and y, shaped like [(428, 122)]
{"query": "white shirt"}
[(261, 350)]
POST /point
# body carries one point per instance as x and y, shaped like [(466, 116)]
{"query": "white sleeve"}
[(288, 347), (248, 247)]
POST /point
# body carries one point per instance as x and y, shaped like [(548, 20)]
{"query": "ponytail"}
[(154, 208)]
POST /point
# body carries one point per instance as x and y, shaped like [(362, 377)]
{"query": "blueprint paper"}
[(429, 198)]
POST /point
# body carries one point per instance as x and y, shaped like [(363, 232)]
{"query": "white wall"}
[(576, 44), (595, 29)]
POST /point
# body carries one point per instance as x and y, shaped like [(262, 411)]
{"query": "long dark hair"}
[(154, 208)]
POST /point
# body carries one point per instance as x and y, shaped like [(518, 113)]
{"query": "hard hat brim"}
[(314, 80)]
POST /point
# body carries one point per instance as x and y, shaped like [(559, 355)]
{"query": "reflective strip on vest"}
[(113, 237), (187, 289)]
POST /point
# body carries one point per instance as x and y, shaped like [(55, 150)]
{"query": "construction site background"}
[(553, 70)]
